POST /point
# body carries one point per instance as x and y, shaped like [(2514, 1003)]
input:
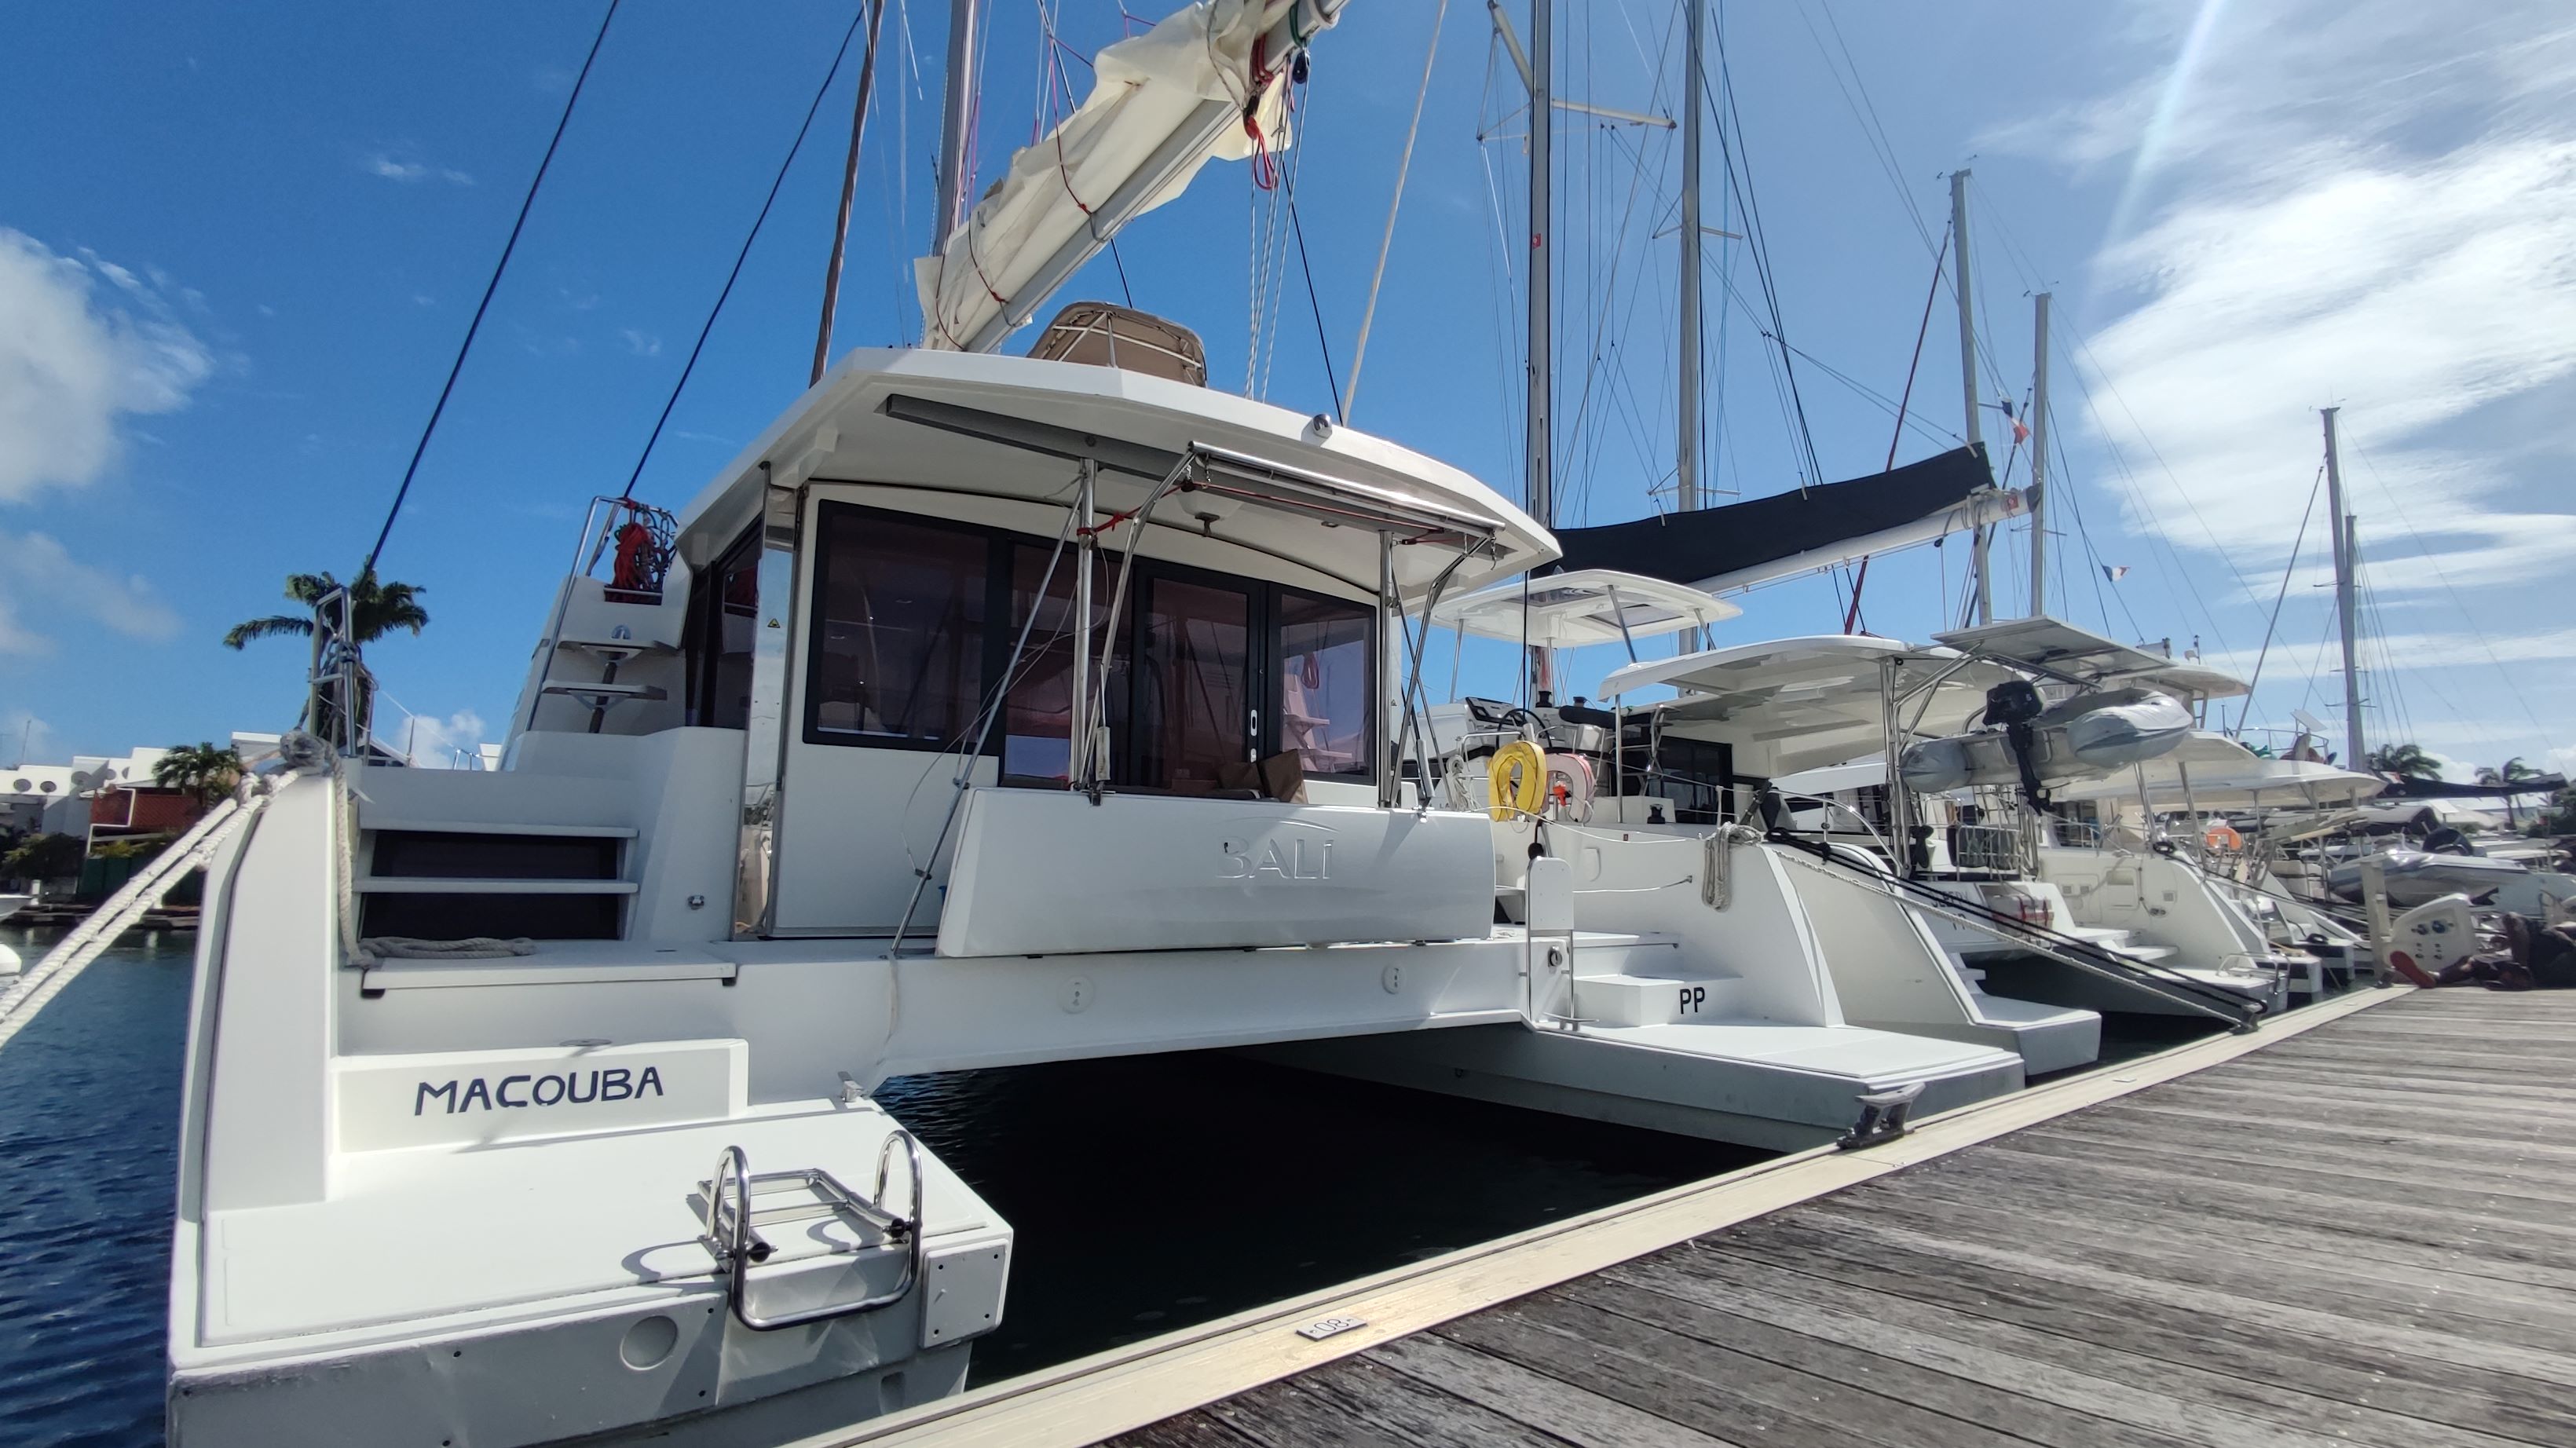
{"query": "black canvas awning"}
[(1716, 542)]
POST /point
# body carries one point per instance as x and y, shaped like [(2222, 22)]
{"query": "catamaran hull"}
[(566, 1380)]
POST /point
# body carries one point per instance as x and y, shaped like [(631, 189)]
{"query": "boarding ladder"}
[(739, 1203)]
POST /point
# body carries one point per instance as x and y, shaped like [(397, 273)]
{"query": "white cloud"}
[(2363, 203), (433, 743), (642, 344), (406, 168), (34, 568), (2425, 650), (76, 357)]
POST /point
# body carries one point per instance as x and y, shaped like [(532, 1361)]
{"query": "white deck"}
[(425, 1233)]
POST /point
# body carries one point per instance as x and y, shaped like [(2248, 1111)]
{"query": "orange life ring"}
[(2223, 837)]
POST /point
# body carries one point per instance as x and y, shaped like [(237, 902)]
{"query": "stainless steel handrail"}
[(735, 1244)]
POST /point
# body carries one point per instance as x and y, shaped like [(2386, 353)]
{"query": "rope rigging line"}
[(1323, 343), (1581, 437), (700, 346), (1851, 616), (2153, 451), (412, 469), (2432, 561), (1865, 111), (1283, 190), (1386, 242), (1120, 262), (2075, 504), (2287, 569), (1729, 143)]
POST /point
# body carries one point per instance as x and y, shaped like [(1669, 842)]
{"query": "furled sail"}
[(1761, 539), (1208, 83)]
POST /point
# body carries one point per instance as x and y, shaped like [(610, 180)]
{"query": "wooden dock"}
[(2355, 1227)]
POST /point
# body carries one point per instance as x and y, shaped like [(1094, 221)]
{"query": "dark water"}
[(89, 1119), (1151, 1193), (1147, 1194)]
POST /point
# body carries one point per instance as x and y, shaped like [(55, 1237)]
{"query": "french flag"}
[(2021, 433)]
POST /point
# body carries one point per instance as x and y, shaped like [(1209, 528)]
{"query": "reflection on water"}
[(1150, 1193)]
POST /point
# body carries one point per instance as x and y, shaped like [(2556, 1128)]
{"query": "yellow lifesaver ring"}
[(2222, 837), (1516, 780)]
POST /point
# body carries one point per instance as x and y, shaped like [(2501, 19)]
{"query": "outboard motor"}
[(2013, 704)]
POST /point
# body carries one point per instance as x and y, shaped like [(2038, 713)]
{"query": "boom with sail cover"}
[(1208, 83), (1762, 539)]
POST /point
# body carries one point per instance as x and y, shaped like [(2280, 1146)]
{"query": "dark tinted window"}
[(1037, 719), (724, 619), (899, 634), (1324, 683), (1193, 691)]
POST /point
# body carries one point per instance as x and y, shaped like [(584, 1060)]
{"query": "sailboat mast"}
[(2039, 456), (849, 191), (1686, 476), (1968, 374), (2344, 538), (956, 115), (1542, 381)]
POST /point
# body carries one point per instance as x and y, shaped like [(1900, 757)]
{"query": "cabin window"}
[(1695, 774), (898, 642), (1193, 691), (724, 616), (1208, 673), (1325, 678), (1037, 714)]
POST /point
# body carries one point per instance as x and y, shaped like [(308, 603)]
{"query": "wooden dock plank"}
[(1563, 1410), (1709, 1388), (1414, 1411), (2185, 1402), (2327, 1280), (1948, 1394), (2382, 1167), (2360, 1236), (2485, 1402), (2159, 1278), (2309, 1239)]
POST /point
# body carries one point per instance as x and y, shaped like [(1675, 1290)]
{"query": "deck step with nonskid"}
[(1652, 1000)]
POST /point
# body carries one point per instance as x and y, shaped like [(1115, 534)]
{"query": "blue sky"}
[(238, 248)]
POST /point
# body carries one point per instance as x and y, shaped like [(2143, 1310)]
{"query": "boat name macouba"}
[(571, 1088)]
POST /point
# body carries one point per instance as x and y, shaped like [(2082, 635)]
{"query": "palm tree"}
[(2513, 771), (375, 610), (200, 769), (2409, 761)]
